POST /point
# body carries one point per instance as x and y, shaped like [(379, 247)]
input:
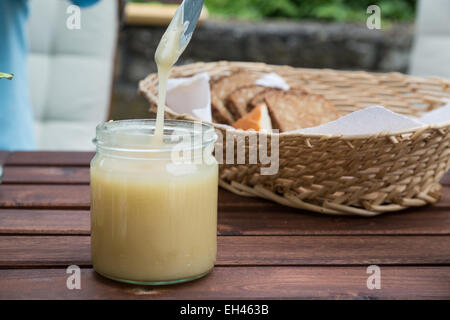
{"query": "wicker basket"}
[(358, 175)]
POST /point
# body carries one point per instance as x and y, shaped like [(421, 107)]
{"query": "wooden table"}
[(264, 250)]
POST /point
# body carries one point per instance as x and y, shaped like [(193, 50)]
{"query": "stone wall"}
[(299, 44)]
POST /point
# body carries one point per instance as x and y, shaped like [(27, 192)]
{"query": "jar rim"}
[(137, 135)]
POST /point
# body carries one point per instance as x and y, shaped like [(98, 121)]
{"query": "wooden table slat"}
[(67, 172), (3, 156), (49, 158), (45, 175), (17, 196), (33, 251), (19, 221), (233, 222), (238, 282), (44, 196)]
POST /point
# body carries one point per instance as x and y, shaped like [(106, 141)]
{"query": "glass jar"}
[(153, 202)]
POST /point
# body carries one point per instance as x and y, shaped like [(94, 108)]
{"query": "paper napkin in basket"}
[(439, 115), (190, 96), (272, 80), (371, 120), (377, 119)]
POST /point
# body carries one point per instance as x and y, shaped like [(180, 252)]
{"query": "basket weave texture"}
[(357, 175)]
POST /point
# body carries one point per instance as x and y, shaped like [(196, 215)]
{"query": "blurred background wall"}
[(300, 33)]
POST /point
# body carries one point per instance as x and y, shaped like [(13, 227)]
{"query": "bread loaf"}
[(238, 99), (290, 110), (221, 88)]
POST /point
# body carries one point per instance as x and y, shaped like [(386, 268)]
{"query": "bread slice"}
[(221, 88), (238, 99), (290, 110), (259, 97), (258, 119)]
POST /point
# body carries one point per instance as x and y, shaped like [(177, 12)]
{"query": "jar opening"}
[(138, 135)]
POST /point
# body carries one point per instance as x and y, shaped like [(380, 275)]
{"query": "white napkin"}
[(190, 95), (272, 80), (439, 115), (370, 120)]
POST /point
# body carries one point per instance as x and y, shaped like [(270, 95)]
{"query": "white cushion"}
[(39, 67), (70, 72), (80, 88), (55, 135)]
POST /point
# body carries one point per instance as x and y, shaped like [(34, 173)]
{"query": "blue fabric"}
[(84, 3), (16, 120)]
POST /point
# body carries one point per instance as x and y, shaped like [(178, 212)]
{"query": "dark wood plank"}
[(44, 196), (299, 250), (49, 158), (32, 195), (3, 156), (31, 251), (19, 221), (45, 175), (411, 222), (288, 221), (227, 200), (239, 283), (41, 172)]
